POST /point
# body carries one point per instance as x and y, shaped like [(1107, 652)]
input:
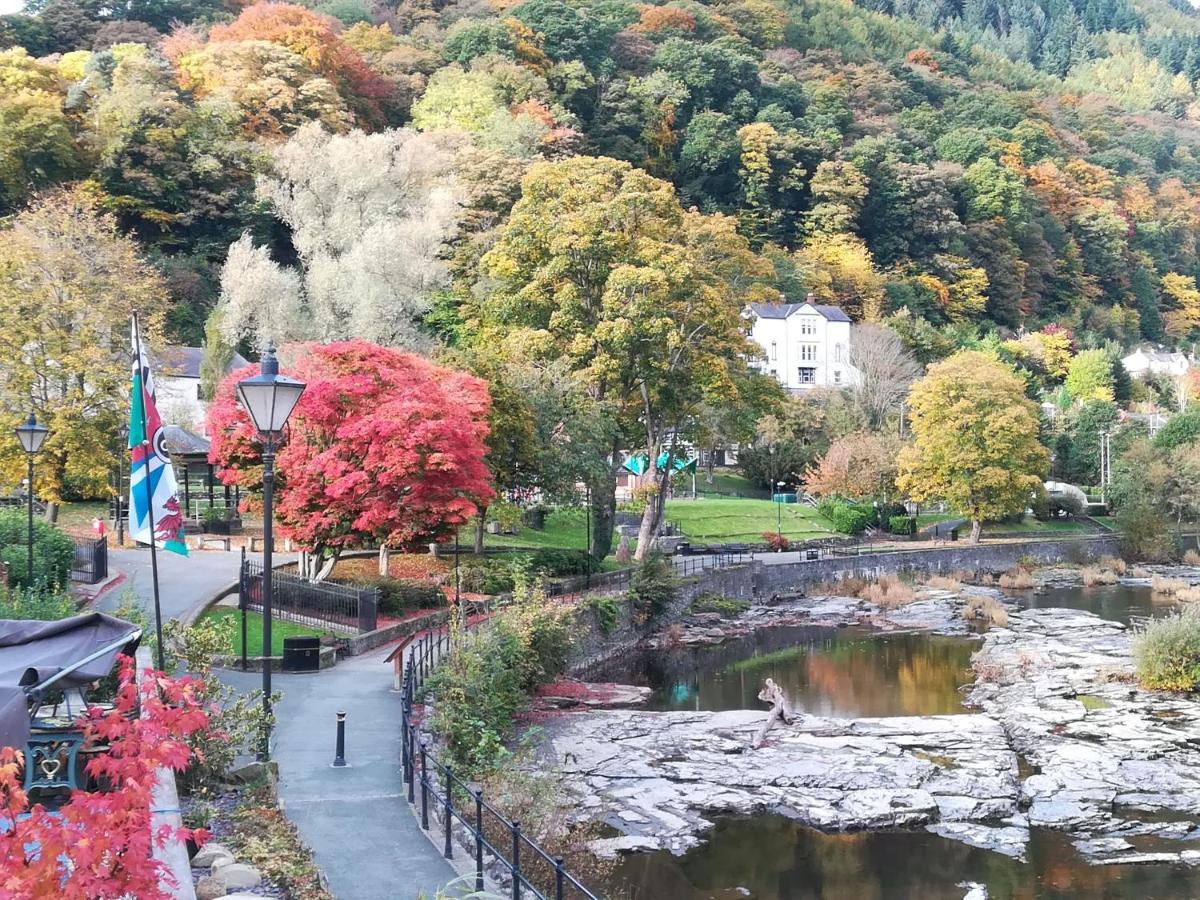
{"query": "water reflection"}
[(777, 859), (841, 672), (1115, 602)]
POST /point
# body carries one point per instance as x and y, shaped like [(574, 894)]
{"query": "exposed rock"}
[(210, 887), (974, 890), (208, 855), (239, 875), (569, 694), (611, 848)]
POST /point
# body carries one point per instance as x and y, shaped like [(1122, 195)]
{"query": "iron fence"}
[(295, 599), (432, 786), (90, 563)]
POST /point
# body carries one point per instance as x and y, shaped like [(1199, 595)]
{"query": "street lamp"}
[(32, 436), (779, 486), (269, 399)]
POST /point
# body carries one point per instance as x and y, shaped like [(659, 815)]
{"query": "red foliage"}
[(314, 37), (922, 57), (656, 19), (99, 845), (777, 541), (385, 447)]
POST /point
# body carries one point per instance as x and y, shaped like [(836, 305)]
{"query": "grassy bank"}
[(254, 631)]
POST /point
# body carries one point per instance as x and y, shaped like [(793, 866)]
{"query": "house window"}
[(837, 353), (808, 352), (807, 375), (773, 352), (773, 372), (808, 326), (837, 376)]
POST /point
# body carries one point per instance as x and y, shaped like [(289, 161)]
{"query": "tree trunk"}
[(383, 561), (780, 710), (652, 516), (708, 470), (604, 508), (480, 521), (51, 511), (976, 528)]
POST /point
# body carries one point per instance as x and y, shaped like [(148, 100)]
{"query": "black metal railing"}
[(294, 599), (433, 788), (90, 563)]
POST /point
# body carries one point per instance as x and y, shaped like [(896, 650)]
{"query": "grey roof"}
[(774, 310), (832, 313), (184, 362), (185, 443), (783, 310)]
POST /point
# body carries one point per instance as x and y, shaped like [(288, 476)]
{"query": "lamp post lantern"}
[(269, 399), (31, 435)]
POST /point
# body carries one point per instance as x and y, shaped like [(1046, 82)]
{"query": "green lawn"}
[(727, 483), (721, 520), (566, 529), (1110, 521), (1031, 524), (254, 635), (926, 519)]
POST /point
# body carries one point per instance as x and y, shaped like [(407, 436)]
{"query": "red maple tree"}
[(99, 844), (384, 447)]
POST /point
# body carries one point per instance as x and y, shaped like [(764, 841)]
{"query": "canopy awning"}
[(637, 463), (60, 655)]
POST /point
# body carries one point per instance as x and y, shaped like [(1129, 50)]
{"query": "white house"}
[(177, 385), (1141, 363), (806, 345)]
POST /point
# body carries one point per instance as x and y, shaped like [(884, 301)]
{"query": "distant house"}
[(177, 385), (806, 345), (1142, 362)]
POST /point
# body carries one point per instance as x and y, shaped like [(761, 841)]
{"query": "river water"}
[(854, 672)]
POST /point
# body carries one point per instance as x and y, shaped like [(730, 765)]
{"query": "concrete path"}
[(356, 819), (185, 583)]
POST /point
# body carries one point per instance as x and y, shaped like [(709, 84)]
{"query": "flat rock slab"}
[(661, 776)]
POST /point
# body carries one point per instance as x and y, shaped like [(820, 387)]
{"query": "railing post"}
[(516, 860), (478, 839), (424, 789), (448, 812), (412, 766), (558, 878)]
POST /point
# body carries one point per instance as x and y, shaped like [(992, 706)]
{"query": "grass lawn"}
[(254, 635), (1110, 521), (926, 519), (723, 520), (728, 483), (566, 529), (76, 518), (1030, 524)]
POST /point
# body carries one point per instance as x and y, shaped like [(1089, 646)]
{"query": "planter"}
[(218, 526)]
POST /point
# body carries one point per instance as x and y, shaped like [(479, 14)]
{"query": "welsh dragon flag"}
[(152, 486)]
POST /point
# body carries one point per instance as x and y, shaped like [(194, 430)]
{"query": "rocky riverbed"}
[(1061, 737)]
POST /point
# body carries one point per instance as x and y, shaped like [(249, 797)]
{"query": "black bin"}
[(301, 654), (813, 554)]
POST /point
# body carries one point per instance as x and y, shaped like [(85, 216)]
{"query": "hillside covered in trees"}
[(943, 164)]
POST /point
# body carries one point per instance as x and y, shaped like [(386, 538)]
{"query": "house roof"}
[(184, 362), (183, 442), (783, 310)]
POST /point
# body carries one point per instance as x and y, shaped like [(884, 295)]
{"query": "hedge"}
[(53, 551), (846, 518), (397, 596)]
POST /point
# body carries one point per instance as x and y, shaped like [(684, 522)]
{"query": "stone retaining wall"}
[(758, 580)]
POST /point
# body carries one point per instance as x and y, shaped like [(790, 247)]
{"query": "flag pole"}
[(149, 450)]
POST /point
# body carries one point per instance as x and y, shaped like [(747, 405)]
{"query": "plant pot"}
[(217, 526)]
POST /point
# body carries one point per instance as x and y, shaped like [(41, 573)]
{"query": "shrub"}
[(495, 576), (39, 603), (1093, 575), (776, 541), (53, 551), (1191, 558), (397, 596), (488, 676), (653, 588), (944, 583), (846, 518), (559, 563), (889, 592), (1167, 652), (607, 609), (1115, 564), (1167, 586), (1145, 534), (902, 525), (987, 608), (726, 607), (1016, 578)]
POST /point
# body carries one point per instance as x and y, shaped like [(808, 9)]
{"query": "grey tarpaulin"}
[(33, 652)]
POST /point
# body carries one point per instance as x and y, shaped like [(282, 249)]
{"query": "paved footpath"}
[(357, 819)]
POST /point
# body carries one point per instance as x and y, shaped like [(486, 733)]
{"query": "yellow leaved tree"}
[(69, 281), (975, 439)]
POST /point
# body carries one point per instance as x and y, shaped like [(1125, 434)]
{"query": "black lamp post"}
[(32, 436), (779, 486), (587, 541), (269, 399)]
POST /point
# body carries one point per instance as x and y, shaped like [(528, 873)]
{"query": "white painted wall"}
[(805, 350)]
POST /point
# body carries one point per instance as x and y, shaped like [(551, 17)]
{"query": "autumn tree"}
[(1090, 376), (369, 216), (37, 147), (885, 372), (858, 465), (600, 266), (385, 448), (69, 281), (975, 439)]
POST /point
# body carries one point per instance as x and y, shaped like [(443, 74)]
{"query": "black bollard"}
[(339, 759)]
